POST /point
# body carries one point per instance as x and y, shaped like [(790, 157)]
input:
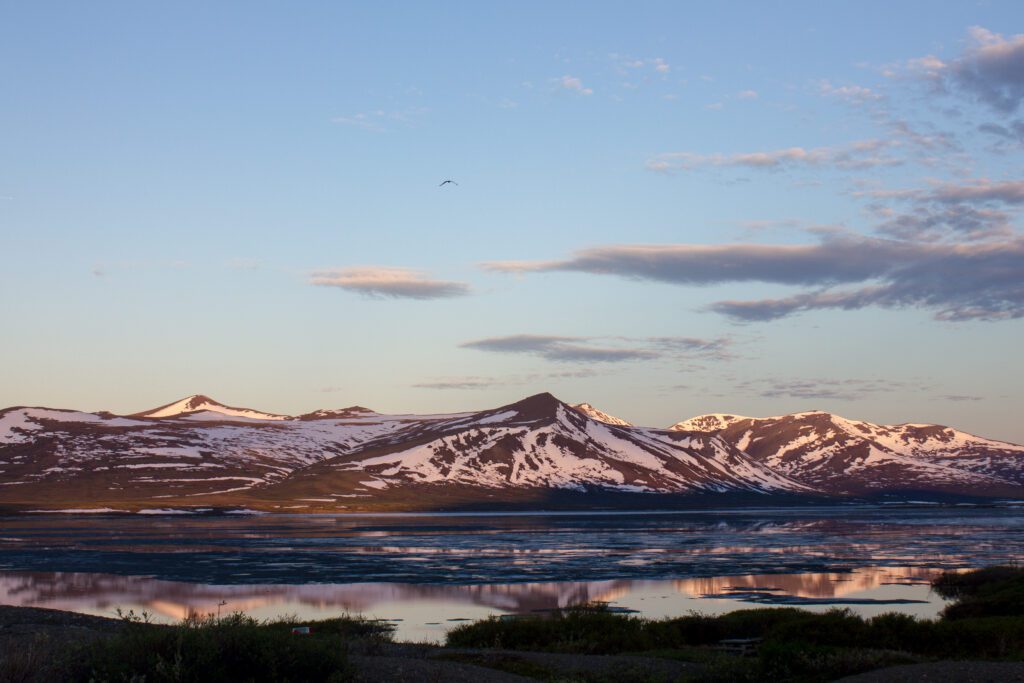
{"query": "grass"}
[(232, 648)]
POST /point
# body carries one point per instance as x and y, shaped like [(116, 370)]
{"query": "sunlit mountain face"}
[(197, 455)]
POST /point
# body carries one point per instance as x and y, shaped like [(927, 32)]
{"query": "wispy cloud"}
[(856, 155), (605, 349), (982, 189), (819, 388), (476, 382), (972, 209), (378, 120), (573, 84), (974, 281), (625, 64), (571, 349), (852, 94), (396, 283), (956, 221), (959, 398), (460, 384), (1013, 131)]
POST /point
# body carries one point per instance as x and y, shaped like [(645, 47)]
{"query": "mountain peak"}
[(599, 415), (712, 422), (537, 407), (197, 403)]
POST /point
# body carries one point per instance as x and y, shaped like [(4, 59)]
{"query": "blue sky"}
[(665, 209)]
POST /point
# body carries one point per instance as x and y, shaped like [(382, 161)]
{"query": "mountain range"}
[(199, 454)]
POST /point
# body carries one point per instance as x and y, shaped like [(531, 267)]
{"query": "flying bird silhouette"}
[(446, 182)]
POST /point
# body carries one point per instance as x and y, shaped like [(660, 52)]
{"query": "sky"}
[(663, 209)]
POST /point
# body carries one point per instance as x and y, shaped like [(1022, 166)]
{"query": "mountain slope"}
[(51, 455), (354, 457), (539, 442), (200, 453), (599, 415), (842, 456)]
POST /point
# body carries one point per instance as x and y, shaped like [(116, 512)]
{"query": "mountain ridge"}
[(197, 451)]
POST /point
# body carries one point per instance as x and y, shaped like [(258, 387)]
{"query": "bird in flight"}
[(446, 182)]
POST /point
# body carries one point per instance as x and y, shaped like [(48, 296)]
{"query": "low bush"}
[(990, 592), (582, 630), (233, 648), (986, 621)]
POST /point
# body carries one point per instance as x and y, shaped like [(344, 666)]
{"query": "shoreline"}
[(507, 511)]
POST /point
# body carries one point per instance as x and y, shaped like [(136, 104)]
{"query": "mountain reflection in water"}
[(428, 569), (414, 605)]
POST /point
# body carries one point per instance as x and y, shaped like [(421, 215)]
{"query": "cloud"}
[(624, 64), (822, 388), (974, 209), (972, 281), (612, 350), (927, 143), (396, 283), (981, 190), (711, 349), (747, 94), (572, 349), (476, 382), (991, 70), (958, 221), (856, 155), (959, 398), (460, 384), (573, 84), (1013, 131), (690, 264), (852, 94)]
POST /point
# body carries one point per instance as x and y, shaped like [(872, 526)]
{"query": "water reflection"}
[(490, 549), (425, 611), (428, 569)]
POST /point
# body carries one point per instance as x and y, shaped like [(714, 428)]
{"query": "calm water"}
[(427, 572)]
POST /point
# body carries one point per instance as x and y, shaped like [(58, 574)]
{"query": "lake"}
[(426, 573)]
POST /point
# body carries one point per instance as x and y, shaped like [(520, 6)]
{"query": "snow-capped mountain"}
[(599, 415), (711, 422), (200, 453), (538, 443), (196, 404), (842, 456)]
